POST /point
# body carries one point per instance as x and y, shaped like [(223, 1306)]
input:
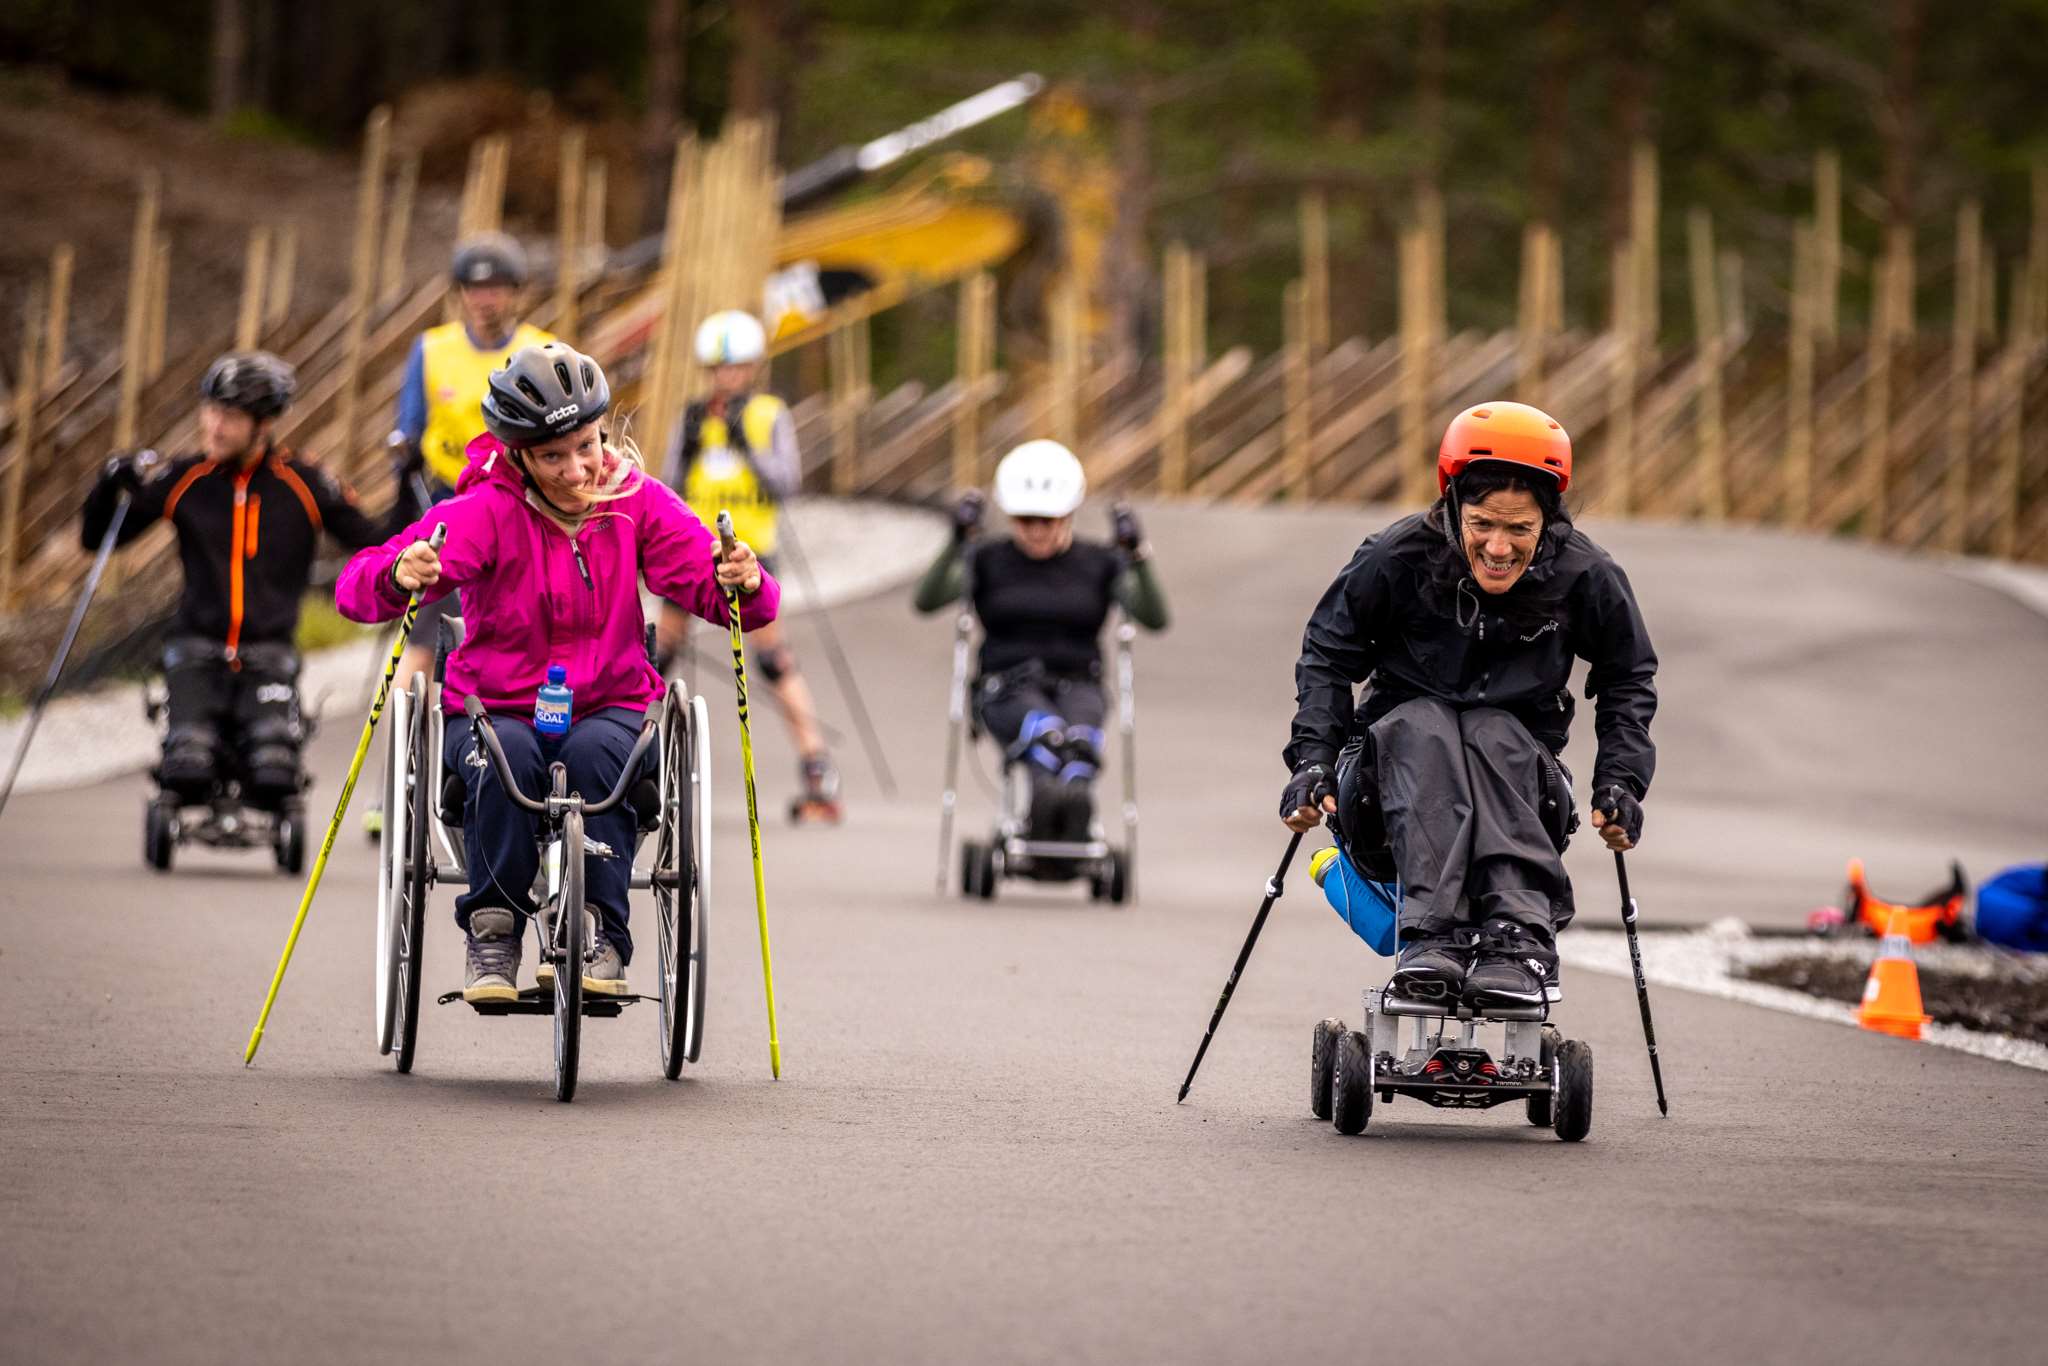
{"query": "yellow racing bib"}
[(457, 374)]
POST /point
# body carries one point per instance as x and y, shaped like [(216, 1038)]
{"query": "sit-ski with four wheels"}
[(422, 847), (1434, 1053), (1011, 850), (226, 819)]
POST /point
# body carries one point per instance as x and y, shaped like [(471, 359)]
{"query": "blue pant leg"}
[(500, 842), (595, 753)]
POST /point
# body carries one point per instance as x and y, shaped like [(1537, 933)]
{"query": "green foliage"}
[(320, 626)]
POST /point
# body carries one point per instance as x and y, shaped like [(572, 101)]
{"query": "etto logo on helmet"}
[(566, 410)]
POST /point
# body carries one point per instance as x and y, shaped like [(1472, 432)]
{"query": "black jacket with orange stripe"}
[(247, 537)]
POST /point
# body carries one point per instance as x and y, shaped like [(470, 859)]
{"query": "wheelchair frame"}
[(420, 847)]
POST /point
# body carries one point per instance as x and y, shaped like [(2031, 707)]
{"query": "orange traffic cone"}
[(1891, 998)]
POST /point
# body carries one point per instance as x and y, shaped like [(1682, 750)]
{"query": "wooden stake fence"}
[(255, 275), (54, 338), (362, 274), (135, 325), (284, 273), (1827, 245), (1807, 284), (398, 231), (1962, 380), (1711, 343), (1297, 419), (975, 344), (568, 230), (23, 446), (1624, 272)]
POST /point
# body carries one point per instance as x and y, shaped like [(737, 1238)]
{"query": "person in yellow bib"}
[(736, 451), (441, 406), (441, 402)]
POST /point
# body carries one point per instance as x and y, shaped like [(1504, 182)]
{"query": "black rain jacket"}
[(1406, 618), (246, 538)]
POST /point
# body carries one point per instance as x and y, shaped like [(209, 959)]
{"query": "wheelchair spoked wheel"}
[(402, 856), (570, 947), (679, 878)]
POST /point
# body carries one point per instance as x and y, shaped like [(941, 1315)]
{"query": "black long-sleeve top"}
[(247, 537)]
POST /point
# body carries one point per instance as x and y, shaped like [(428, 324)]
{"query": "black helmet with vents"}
[(543, 392), (256, 382)]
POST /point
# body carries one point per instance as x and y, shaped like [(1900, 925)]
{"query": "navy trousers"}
[(500, 841)]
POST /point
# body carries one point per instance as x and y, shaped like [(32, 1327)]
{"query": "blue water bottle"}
[(551, 703)]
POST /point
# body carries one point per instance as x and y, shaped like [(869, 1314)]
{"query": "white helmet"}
[(1040, 479), (731, 338)]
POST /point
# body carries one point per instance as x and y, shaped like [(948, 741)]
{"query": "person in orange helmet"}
[(1463, 623)]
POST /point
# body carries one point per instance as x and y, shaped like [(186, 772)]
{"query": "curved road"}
[(974, 1154)]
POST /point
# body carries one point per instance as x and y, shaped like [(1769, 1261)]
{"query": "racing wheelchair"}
[(229, 817), (1014, 849), (422, 847)]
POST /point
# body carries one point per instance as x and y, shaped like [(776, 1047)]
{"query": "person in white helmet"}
[(737, 451), (1042, 598)]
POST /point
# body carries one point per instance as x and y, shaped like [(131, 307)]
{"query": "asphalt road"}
[(974, 1153)]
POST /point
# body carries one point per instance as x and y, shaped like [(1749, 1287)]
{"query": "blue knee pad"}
[(1369, 908), (1036, 741)]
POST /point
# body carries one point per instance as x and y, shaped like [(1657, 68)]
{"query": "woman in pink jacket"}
[(549, 534)]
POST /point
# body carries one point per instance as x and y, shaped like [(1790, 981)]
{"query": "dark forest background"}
[(1217, 112)]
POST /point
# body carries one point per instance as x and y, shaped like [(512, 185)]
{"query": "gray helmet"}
[(543, 392), (489, 258), (256, 382)]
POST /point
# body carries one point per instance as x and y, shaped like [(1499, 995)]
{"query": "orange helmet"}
[(1513, 433)]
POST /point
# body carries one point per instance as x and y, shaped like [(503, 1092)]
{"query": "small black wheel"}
[(1322, 1061), (156, 835), (1117, 881), (1539, 1106), (1574, 1090), (288, 841), (571, 948), (991, 872), (970, 868), (1351, 1084)]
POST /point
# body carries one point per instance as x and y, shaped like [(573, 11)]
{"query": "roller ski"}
[(819, 802)]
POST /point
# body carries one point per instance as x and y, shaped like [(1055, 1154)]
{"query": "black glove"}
[(967, 514), (1618, 806), (406, 457), (124, 472), (1129, 535), (1310, 784)]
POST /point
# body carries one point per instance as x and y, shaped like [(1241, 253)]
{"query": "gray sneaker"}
[(493, 956), (605, 974)]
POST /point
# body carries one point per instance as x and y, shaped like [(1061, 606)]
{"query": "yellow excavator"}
[(1040, 220)]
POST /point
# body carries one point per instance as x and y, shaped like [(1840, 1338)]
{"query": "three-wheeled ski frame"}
[(1433, 1052), (1010, 851), (421, 847)]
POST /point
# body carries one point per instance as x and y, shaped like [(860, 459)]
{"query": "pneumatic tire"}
[(1351, 1084), (1574, 1100), (1322, 1064)]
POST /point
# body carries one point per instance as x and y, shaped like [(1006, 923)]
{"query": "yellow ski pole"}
[(739, 678), (348, 788)]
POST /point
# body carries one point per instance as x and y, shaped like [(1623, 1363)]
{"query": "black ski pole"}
[(848, 689), (1273, 890), (1635, 957), (92, 583)]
